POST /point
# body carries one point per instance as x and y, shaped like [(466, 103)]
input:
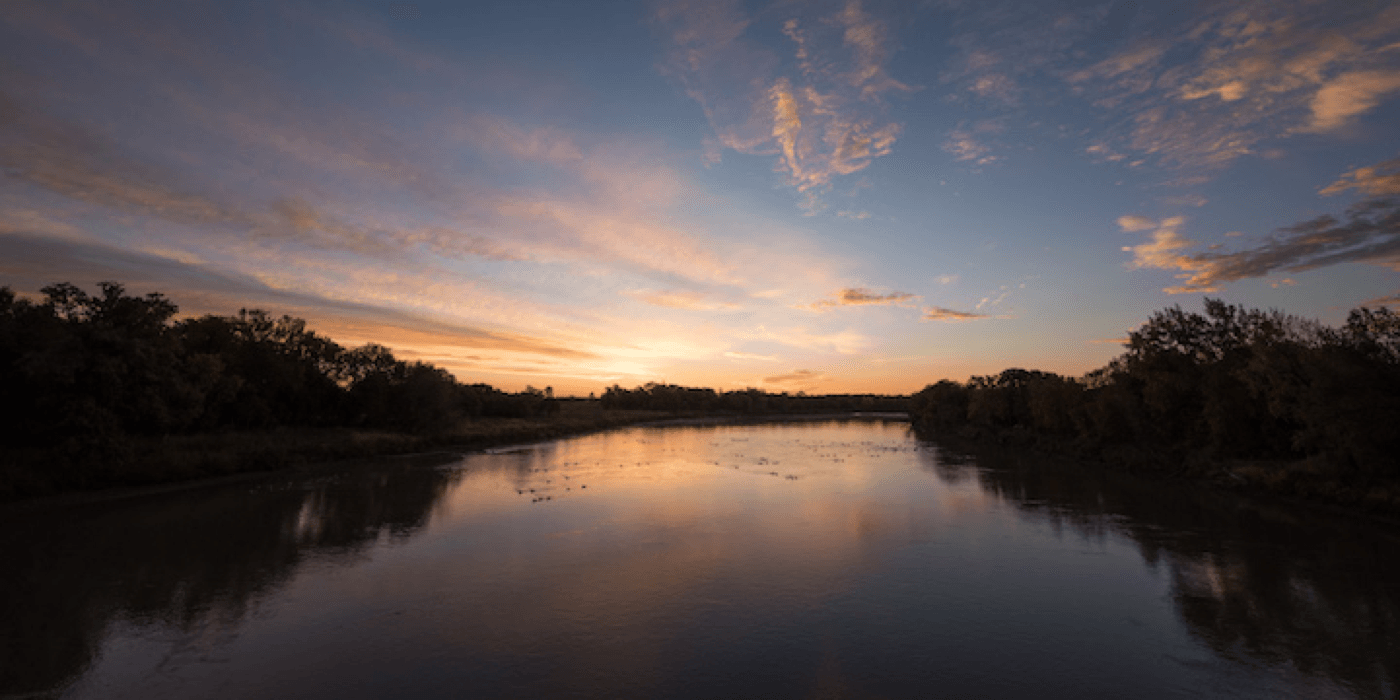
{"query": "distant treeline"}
[(109, 389), (669, 397), (81, 370), (1290, 403)]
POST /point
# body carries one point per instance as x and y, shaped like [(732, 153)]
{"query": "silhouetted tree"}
[(1229, 384)]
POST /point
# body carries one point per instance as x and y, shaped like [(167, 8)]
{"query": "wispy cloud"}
[(679, 299), (1210, 91), (1369, 233), (822, 120), (860, 296), (543, 144), (938, 313), (1350, 95), (1379, 179), (1392, 300), (1133, 222), (44, 151), (749, 356), (33, 261), (798, 377), (965, 146), (845, 342)]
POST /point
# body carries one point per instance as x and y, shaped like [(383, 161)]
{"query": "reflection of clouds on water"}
[(674, 567)]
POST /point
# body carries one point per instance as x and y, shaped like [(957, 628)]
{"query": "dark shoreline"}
[(1248, 479), (258, 455)]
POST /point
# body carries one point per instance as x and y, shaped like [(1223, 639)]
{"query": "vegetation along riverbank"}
[(112, 390), (1250, 399)]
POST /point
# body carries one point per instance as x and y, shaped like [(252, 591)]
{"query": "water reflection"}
[(194, 562), (836, 559), (1259, 581)]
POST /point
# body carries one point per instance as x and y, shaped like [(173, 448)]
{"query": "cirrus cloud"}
[(822, 118), (860, 296), (938, 313), (801, 376), (1379, 179), (1370, 232)]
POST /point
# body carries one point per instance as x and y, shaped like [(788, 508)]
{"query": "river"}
[(816, 559)]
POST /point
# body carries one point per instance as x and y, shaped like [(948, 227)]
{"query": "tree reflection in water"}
[(1263, 584), (1265, 581), (106, 564)]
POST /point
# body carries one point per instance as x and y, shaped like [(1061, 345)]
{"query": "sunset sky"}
[(852, 196)]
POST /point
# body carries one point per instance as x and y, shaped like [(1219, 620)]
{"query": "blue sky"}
[(821, 196)]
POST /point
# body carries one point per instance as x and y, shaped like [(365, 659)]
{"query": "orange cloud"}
[(544, 144), (938, 313), (822, 121), (1370, 233), (964, 146), (1133, 222), (679, 299), (860, 296), (801, 376), (1392, 300), (1249, 73), (1349, 95), (1380, 179), (81, 164), (750, 356)]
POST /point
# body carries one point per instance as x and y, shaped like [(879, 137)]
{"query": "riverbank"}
[(1310, 481), (153, 465)]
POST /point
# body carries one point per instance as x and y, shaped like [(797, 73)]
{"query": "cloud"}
[(1379, 179), (31, 262), (846, 342), (1132, 222), (44, 151), (1202, 94), (1349, 95), (996, 85), (1160, 250), (965, 146), (801, 376), (1370, 233), (1392, 300), (822, 116), (857, 215), (938, 313), (860, 296), (542, 144), (750, 356), (679, 299), (1185, 200)]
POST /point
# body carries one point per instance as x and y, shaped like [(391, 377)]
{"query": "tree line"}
[(88, 370), (1287, 401), (670, 397)]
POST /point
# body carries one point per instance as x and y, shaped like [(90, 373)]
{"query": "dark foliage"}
[(83, 375), (669, 397), (1298, 404)]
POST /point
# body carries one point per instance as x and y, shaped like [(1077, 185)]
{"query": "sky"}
[(832, 197)]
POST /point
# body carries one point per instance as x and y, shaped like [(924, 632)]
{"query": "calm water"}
[(822, 560)]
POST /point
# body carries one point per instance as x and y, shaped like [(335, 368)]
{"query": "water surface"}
[(815, 559)]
